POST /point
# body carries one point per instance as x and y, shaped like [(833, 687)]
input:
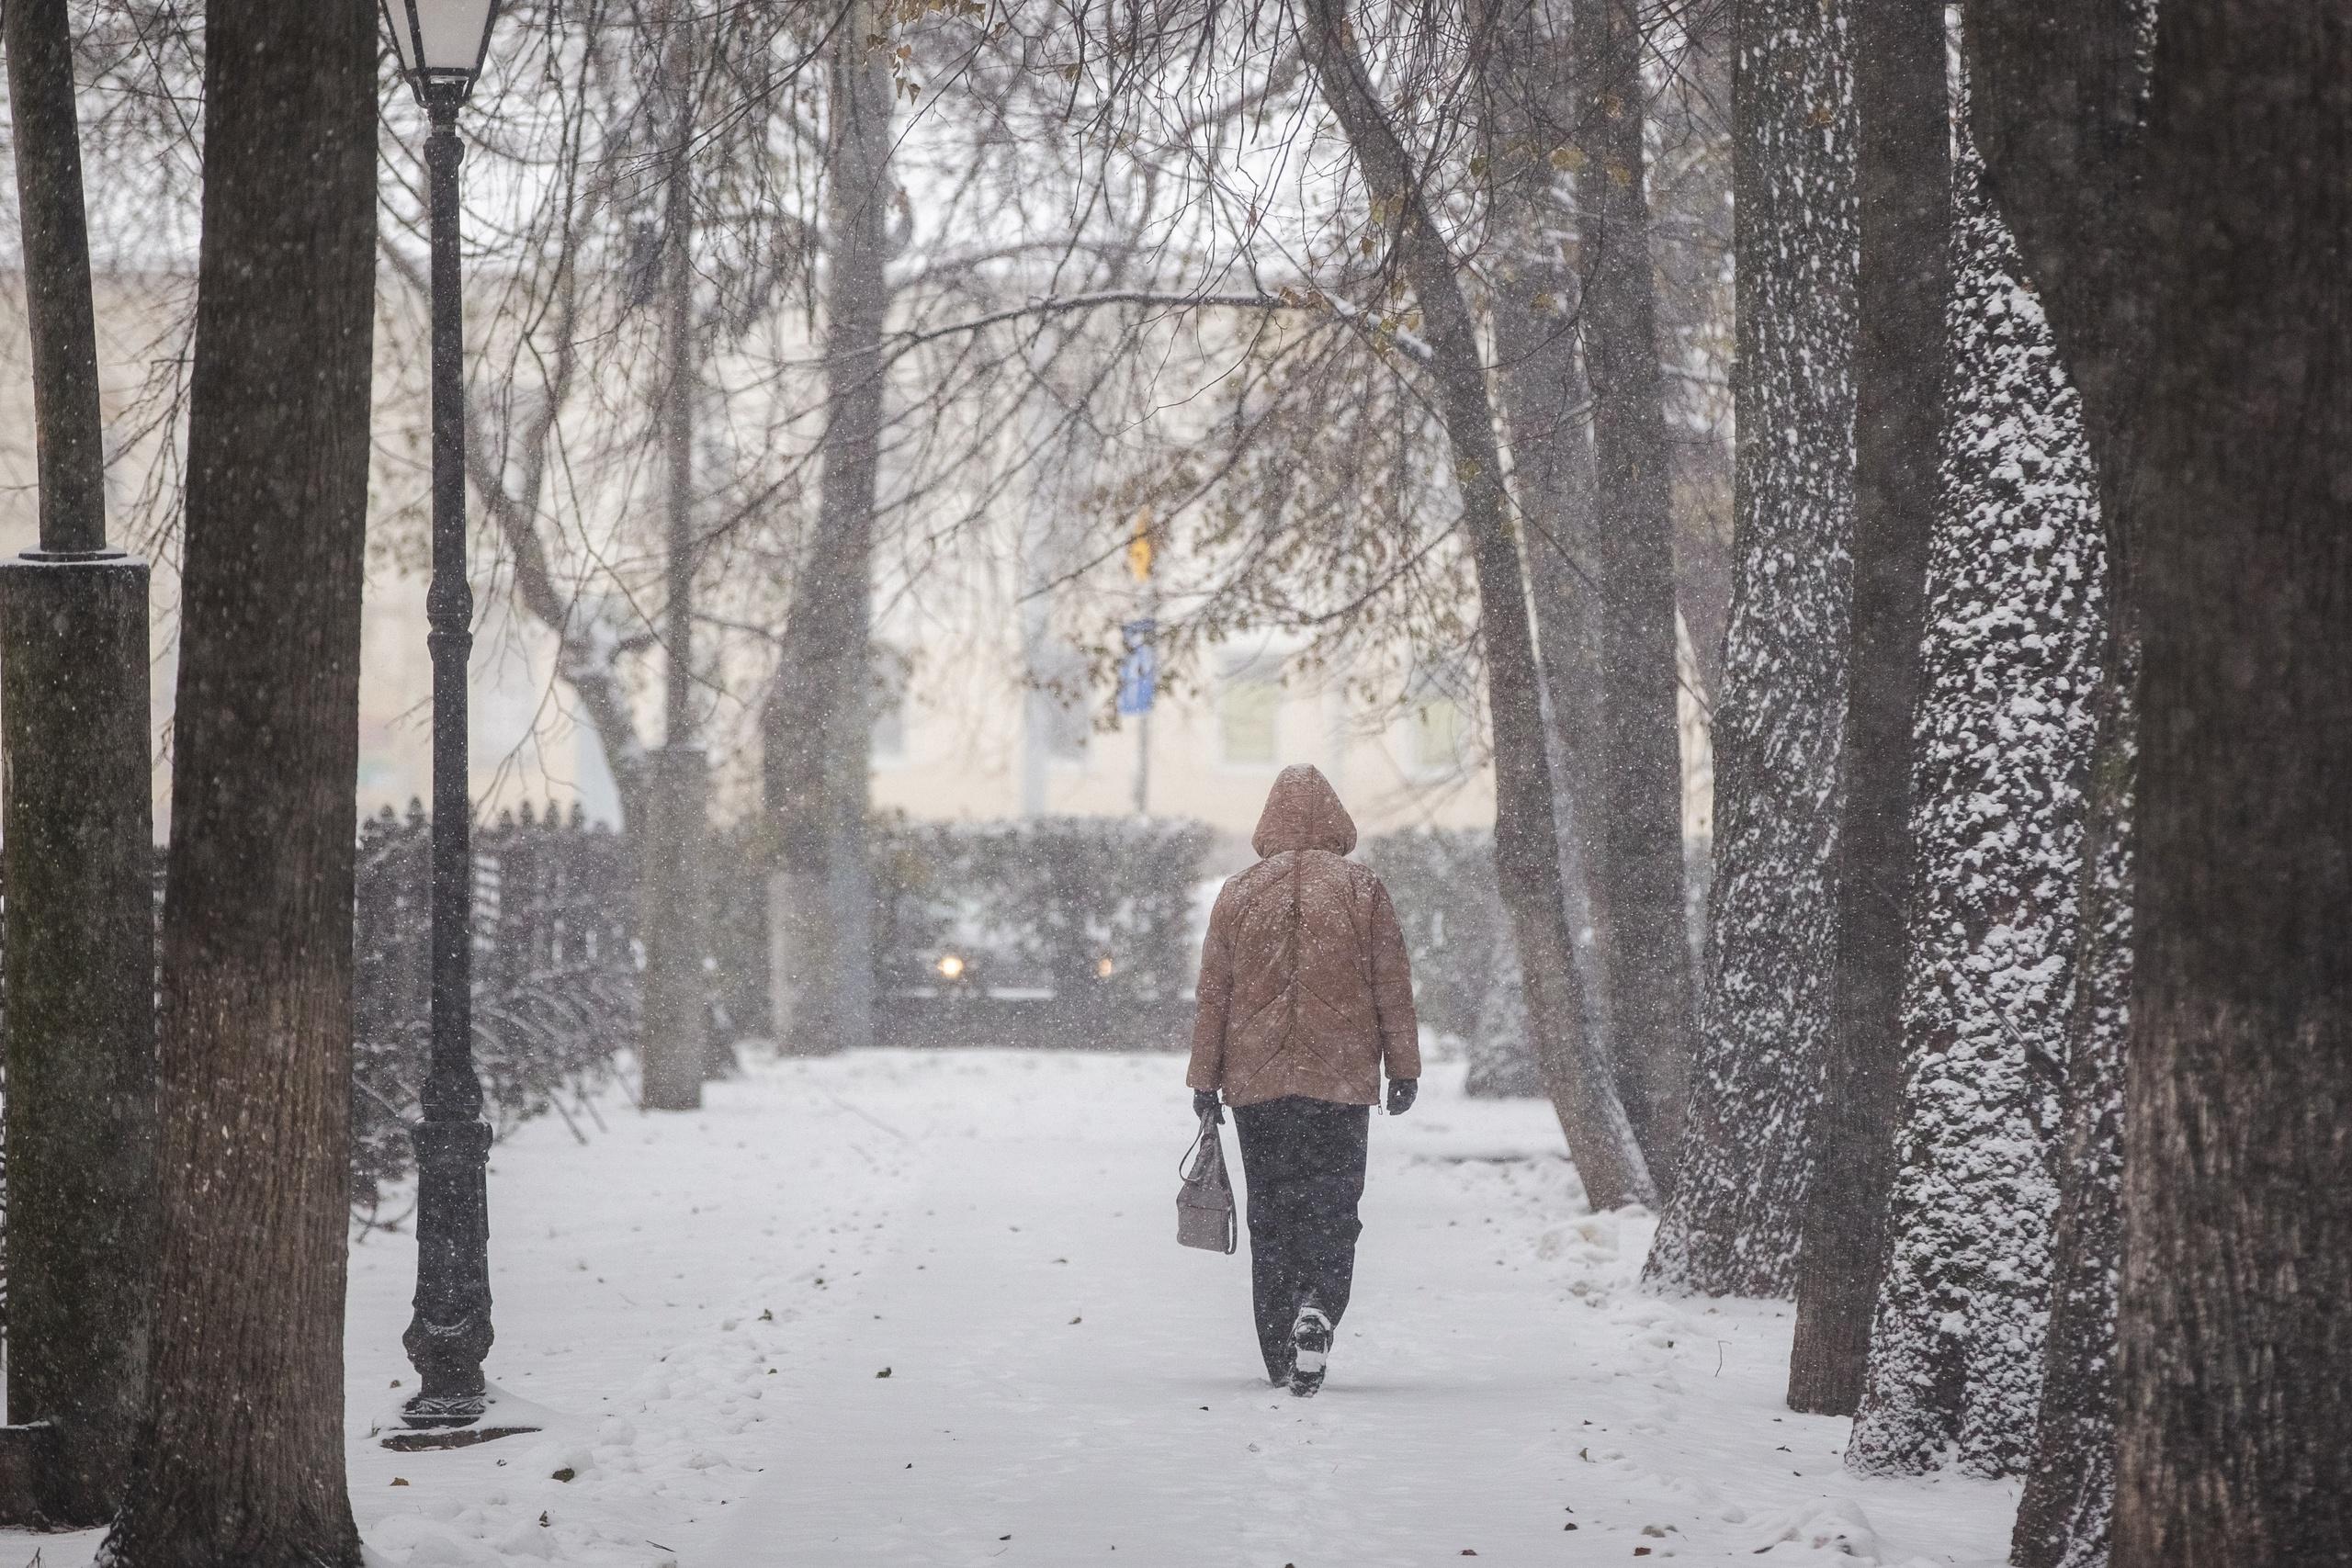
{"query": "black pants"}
[(1303, 1160)]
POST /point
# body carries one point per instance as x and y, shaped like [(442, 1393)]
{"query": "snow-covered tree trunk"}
[(2066, 1517), (1731, 1228), (2086, 68), (2006, 716)]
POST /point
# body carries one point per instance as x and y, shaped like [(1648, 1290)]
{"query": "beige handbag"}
[(1204, 1204)]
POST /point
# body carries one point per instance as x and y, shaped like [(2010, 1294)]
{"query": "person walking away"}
[(1306, 994)]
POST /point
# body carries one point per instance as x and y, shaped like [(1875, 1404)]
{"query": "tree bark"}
[(1527, 863), (818, 736), (2007, 714), (2236, 1362), (672, 1048), (79, 863), (2214, 360), (2056, 108), (1732, 1226), (1641, 866), (81, 1021), (1902, 108), (2065, 1520), (1527, 76), (244, 1456), (69, 439)]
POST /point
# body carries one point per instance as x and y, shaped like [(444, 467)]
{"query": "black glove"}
[(1204, 1104), (1400, 1095)]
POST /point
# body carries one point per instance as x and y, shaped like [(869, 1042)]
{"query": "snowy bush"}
[(1466, 974), (1442, 882), (1081, 906)]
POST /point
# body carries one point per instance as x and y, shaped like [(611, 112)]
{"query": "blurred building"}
[(981, 710)]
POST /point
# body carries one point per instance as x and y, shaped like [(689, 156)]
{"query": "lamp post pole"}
[(450, 1333), (441, 44)]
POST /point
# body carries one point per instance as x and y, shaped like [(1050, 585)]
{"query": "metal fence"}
[(1061, 933), (556, 961)]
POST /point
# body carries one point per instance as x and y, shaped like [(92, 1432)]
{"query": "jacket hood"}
[(1302, 812)]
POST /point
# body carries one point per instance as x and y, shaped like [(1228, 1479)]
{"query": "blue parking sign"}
[(1139, 671)]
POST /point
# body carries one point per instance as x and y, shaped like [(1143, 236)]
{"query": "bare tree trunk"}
[(1527, 862), (1527, 75), (1640, 807), (56, 245), (1732, 1226), (1692, 226), (818, 737), (676, 827), (1904, 174), (244, 1456), (2236, 1365), (1566, 660), (78, 845)]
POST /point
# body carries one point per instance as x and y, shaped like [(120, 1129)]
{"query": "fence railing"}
[(1059, 932), (556, 961)]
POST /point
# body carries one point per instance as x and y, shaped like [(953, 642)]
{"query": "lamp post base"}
[(459, 1421)]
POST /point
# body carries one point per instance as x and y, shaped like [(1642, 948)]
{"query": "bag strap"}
[(1193, 1164)]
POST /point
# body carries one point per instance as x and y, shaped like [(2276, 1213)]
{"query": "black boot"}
[(1310, 1338)]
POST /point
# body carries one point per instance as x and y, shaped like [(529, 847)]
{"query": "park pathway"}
[(1067, 1386), (702, 1302)]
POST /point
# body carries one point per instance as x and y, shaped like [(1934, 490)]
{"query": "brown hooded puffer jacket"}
[(1305, 987)]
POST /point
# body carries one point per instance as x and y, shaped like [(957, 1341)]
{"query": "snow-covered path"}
[(1065, 1383), (708, 1299)]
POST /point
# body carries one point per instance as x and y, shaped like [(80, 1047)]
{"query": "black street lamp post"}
[(441, 44)]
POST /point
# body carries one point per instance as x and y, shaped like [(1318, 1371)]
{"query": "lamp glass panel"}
[(453, 33), (396, 18)]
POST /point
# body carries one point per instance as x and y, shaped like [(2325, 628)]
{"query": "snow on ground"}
[(713, 1301)]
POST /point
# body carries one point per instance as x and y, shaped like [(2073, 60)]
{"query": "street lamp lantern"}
[(441, 44)]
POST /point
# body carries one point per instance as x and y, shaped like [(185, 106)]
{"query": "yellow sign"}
[(1139, 547)]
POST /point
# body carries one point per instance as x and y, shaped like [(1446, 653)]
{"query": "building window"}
[(892, 679), (1247, 715)]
